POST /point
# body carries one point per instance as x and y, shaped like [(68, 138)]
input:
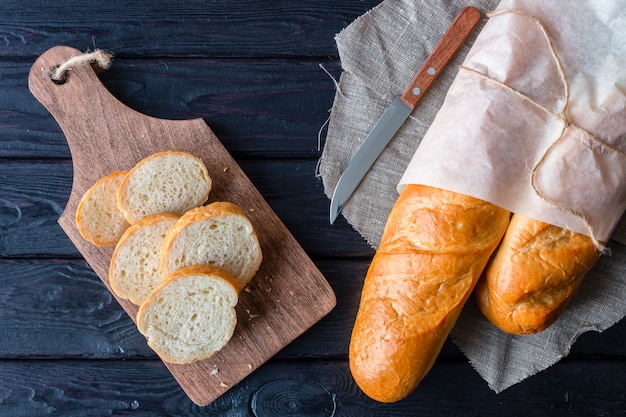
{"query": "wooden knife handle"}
[(452, 40)]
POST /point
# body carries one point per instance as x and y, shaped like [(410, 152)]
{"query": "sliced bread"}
[(98, 218), (191, 315), (135, 270), (218, 235), (165, 182)]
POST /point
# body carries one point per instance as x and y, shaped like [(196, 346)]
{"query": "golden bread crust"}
[(114, 278), (177, 238), (98, 218), (533, 275), (150, 326), (433, 250)]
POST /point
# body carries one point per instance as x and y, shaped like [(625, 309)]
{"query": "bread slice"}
[(218, 235), (191, 315), (135, 270), (165, 182), (98, 218)]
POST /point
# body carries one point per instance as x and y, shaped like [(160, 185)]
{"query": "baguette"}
[(164, 182), (218, 235), (135, 268), (433, 251), (98, 218), (533, 275), (191, 315)]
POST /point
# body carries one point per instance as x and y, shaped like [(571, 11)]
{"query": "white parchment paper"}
[(535, 120)]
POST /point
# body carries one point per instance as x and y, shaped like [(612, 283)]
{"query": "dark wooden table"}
[(252, 71)]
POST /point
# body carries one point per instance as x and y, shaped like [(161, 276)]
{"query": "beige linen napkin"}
[(380, 53)]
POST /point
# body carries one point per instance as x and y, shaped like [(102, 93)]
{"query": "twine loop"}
[(98, 58), (560, 116)]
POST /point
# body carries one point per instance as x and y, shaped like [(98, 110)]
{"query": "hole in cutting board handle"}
[(58, 79)]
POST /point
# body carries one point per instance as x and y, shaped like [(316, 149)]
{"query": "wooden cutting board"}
[(287, 295)]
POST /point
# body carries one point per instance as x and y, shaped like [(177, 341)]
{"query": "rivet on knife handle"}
[(401, 107), (452, 40)]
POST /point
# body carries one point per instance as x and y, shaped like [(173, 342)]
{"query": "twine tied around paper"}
[(561, 116), (98, 58)]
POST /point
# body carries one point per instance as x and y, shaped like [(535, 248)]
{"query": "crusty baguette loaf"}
[(135, 269), (433, 250), (191, 315), (98, 218), (164, 182), (218, 235), (533, 275)]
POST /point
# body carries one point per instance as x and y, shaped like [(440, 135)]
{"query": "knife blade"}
[(401, 108)]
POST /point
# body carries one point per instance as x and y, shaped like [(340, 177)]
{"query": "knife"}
[(401, 107)]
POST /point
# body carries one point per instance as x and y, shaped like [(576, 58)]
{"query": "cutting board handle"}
[(105, 136), (94, 122)]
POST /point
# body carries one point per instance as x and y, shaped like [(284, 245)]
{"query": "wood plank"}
[(68, 388), (105, 136), (35, 192), (268, 108), (71, 314), (161, 28), (61, 309)]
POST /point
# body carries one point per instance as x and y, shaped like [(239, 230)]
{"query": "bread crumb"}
[(253, 316), (215, 370), (250, 209), (247, 289), (249, 366), (223, 385), (291, 293), (225, 169)]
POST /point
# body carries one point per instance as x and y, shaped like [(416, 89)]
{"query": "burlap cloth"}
[(380, 53)]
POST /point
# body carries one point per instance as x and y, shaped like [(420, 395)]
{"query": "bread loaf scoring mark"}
[(432, 226), (434, 247), (533, 275)]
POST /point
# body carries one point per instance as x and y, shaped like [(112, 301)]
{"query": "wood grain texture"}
[(35, 192), (143, 388), (251, 70), (162, 28), (288, 295), (271, 108), (72, 314)]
